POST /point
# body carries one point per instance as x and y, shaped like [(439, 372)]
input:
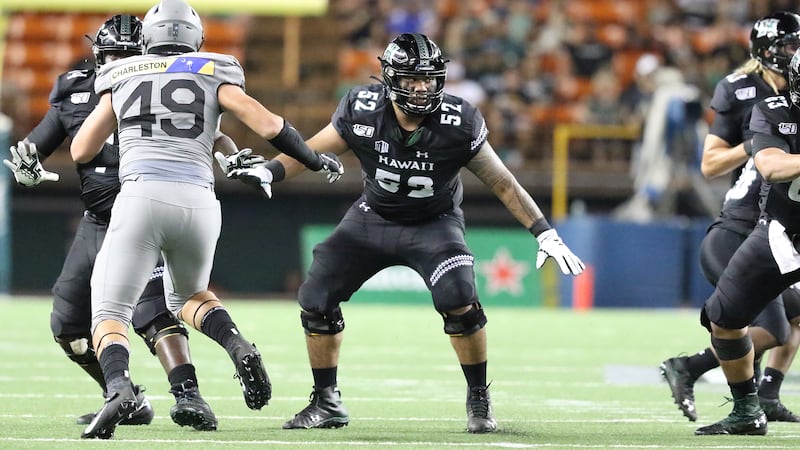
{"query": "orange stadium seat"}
[(223, 32)]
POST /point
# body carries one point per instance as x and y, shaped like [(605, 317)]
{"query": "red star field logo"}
[(504, 273)]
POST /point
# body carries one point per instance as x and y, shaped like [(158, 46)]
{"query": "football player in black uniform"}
[(412, 140), (766, 263), (72, 99), (728, 146)]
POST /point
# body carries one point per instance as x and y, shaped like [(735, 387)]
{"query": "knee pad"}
[(465, 324), (318, 323), (731, 349), (160, 327), (78, 348)]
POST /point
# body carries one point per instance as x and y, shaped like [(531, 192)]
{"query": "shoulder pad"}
[(71, 82)]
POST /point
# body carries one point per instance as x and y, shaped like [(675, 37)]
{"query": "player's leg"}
[(192, 235), (681, 372), (167, 338), (779, 360), (347, 258), (438, 251), (750, 281), (123, 267), (70, 319)]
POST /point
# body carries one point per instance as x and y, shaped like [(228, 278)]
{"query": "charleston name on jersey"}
[(409, 177), (183, 91)]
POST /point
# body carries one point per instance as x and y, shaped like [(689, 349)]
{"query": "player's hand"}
[(258, 176), (331, 166), (243, 159), (26, 167), (550, 245)]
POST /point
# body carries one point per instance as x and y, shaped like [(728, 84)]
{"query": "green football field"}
[(560, 379)]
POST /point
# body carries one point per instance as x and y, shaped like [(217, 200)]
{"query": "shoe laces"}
[(479, 401), (186, 389)]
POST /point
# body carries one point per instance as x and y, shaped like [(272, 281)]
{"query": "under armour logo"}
[(422, 154), (364, 207)]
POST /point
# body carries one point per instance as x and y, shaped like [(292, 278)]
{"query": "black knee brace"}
[(78, 349), (731, 349), (465, 324), (317, 323), (162, 326)]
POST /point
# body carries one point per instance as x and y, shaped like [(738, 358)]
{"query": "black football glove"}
[(331, 166)]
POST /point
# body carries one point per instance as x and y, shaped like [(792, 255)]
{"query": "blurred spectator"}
[(466, 88), (587, 52), (411, 16), (602, 108), (665, 167), (635, 99)]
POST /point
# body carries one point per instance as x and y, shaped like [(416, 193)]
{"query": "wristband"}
[(748, 146), (277, 169), (539, 227), (290, 142)]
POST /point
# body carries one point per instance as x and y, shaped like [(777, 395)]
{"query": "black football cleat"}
[(120, 403), (325, 410), (142, 416), (777, 411), (747, 418), (190, 409), (253, 378), (681, 385)]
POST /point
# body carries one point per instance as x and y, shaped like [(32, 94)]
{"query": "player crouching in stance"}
[(412, 140)]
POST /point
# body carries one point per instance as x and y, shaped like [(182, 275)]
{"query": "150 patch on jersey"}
[(787, 128), (80, 98), (363, 130)]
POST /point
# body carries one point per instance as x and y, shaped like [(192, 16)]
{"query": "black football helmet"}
[(774, 39), (121, 33), (413, 55)]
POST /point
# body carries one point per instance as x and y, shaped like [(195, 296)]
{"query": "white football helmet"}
[(172, 27)]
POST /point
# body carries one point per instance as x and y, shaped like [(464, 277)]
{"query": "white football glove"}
[(26, 167), (331, 166), (258, 176), (550, 245), (243, 159)]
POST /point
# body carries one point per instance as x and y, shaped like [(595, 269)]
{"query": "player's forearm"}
[(719, 158), (776, 166), (47, 134)]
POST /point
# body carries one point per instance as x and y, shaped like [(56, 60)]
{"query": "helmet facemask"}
[(414, 73)]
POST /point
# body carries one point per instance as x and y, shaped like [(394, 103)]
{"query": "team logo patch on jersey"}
[(76, 74), (363, 130), (745, 93), (80, 98), (192, 65), (382, 147), (787, 128)]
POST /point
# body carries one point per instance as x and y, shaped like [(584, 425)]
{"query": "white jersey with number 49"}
[(168, 113)]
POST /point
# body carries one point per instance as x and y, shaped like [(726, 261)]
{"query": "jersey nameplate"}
[(169, 65)]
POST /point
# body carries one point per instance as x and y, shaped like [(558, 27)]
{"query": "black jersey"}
[(777, 119), (409, 177), (71, 101), (733, 100)]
